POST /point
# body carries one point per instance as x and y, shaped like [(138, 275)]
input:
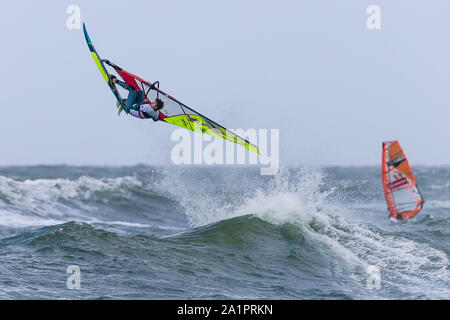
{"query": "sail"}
[(399, 184), (174, 111), (177, 113)]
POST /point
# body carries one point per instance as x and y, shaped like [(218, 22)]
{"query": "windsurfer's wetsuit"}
[(135, 105), (145, 111), (135, 97)]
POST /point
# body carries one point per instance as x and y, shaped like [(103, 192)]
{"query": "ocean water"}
[(218, 233)]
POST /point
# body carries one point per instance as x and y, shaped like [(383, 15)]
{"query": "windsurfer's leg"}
[(135, 99), (131, 99), (124, 85), (139, 97)]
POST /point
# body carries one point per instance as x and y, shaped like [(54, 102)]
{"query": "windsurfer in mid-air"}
[(135, 103)]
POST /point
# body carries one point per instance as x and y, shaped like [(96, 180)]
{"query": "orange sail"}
[(399, 184)]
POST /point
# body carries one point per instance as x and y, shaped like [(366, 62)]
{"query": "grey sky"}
[(335, 89)]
